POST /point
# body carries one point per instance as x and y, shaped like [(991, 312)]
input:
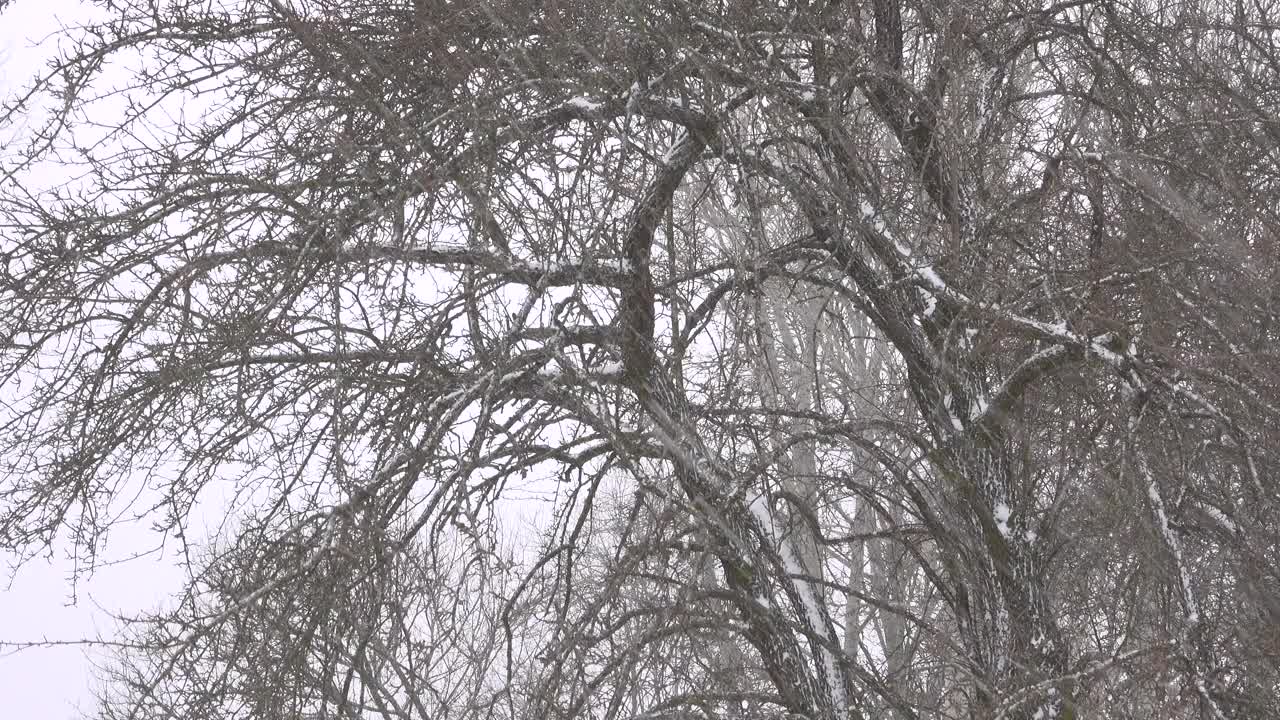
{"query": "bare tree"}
[(667, 359)]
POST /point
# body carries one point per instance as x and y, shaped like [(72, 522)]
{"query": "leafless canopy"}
[(556, 359)]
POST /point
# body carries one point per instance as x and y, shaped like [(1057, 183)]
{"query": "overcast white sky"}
[(35, 603)]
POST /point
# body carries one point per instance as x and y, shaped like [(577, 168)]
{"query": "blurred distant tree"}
[(661, 359)]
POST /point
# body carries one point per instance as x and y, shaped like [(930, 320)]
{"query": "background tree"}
[(893, 359)]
